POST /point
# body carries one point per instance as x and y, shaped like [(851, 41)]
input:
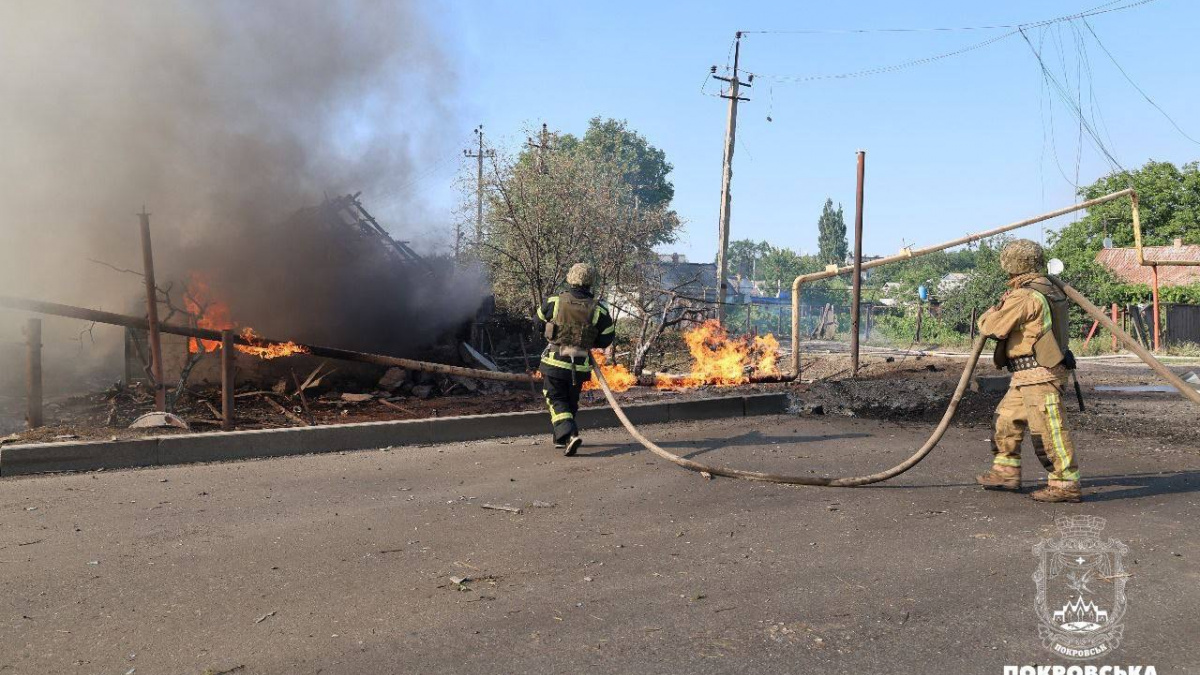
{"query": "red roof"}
[(1123, 263)]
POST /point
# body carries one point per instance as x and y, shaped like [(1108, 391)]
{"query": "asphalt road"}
[(618, 562)]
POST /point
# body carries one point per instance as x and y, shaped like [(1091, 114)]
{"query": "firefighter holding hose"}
[(575, 323), (1030, 328)]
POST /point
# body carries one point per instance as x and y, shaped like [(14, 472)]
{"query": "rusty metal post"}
[(1115, 320), (156, 363), (856, 293), (33, 372), (1154, 270), (227, 357)]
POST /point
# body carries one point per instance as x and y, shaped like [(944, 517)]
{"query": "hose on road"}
[(963, 381)]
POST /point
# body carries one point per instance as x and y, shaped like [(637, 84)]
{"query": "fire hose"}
[(963, 381)]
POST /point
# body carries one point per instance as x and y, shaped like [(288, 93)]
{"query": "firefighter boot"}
[(1059, 491), (572, 445), (1001, 478)]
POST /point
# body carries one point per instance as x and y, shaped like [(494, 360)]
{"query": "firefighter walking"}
[(1030, 328), (575, 323)]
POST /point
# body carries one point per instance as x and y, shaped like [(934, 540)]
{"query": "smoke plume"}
[(223, 118)]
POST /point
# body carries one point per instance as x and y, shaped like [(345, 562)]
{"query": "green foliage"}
[(831, 237), (645, 167), (1169, 199), (742, 255), (986, 283), (899, 327), (596, 200)]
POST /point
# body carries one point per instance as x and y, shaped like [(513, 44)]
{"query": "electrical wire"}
[(1135, 85), (1015, 29), (850, 31)]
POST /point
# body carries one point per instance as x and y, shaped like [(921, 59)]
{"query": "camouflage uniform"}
[(1030, 327)]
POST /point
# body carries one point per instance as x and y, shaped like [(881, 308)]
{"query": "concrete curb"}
[(19, 460)]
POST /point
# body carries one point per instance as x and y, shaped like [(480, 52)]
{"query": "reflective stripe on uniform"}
[(1047, 317), (555, 417), (567, 365), (610, 329), (1006, 461), (1056, 437)]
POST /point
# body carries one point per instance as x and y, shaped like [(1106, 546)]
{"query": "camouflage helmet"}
[(1022, 257), (581, 274)]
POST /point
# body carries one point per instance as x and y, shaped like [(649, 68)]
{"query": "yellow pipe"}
[(908, 252)]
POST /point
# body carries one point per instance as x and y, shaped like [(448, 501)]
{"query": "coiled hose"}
[(963, 380)]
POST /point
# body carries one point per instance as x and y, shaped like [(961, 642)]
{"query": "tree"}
[(742, 256), (831, 239), (644, 166), (579, 202), (784, 265), (1169, 201)]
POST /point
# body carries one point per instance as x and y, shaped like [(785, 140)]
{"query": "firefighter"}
[(575, 323), (1030, 328)]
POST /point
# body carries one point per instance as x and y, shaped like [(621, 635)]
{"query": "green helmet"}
[(581, 274), (1022, 257)]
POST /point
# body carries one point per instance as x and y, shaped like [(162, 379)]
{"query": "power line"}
[(1015, 29), (1135, 85), (853, 31), (1065, 96)]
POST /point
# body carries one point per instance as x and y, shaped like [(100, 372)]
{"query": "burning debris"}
[(722, 360), (718, 359), (211, 313)]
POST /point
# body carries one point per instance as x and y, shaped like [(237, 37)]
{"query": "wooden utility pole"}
[(856, 297), (727, 174), (33, 372), (478, 156), (541, 147), (156, 362), (227, 382)]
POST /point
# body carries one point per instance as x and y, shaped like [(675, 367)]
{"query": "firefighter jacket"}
[(1030, 321)]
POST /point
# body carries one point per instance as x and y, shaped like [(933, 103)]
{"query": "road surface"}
[(617, 563)]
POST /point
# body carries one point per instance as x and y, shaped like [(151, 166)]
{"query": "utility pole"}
[(479, 155), (856, 298), (541, 147), (156, 360), (731, 93)]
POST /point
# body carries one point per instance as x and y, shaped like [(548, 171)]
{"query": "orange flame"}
[(214, 315), (618, 376), (721, 360)]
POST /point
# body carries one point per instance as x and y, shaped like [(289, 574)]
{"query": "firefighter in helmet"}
[(575, 323), (1030, 328)]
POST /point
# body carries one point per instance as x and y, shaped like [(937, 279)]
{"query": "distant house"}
[(952, 282), (1123, 263), (866, 274)]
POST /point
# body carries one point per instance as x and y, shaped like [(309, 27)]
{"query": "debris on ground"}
[(496, 507), (158, 420)]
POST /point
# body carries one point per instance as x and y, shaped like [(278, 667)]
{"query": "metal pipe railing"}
[(908, 253)]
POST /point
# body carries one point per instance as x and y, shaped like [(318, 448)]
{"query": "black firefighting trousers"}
[(562, 397)]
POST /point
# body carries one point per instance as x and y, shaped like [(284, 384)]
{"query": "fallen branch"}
[(393, 406), (286, 413)]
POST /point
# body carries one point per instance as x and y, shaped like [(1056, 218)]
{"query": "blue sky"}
[(954, 146)]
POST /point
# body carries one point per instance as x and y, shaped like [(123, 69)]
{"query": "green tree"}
[(1169, 200), (644, 167), (742, 256), (575, 201), (831, 237), (784, 265)]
